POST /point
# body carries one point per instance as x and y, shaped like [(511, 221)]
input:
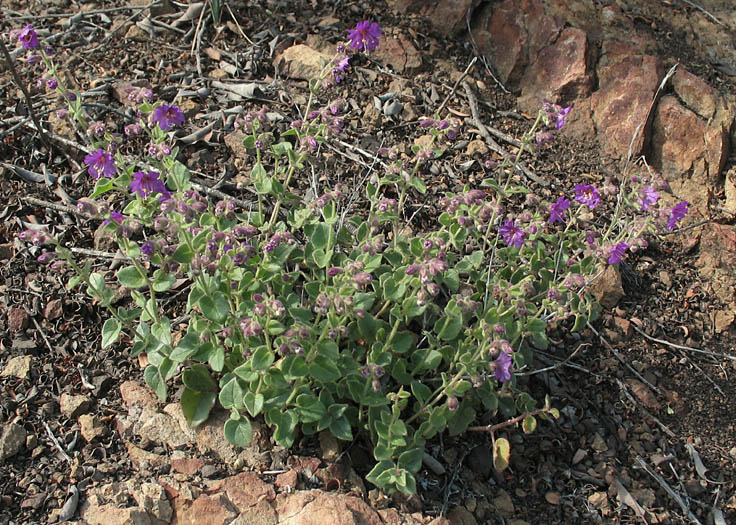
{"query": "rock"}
[(447, 17), (510, 32), (598, 500), (141, 458), (91, 427), (234, 141), (244, 490), (461, 516), (627, 83), (112, 515), (18, 319), (504, 504), (689, 151), (608, 288), (151, 498), (11, 440), (301, 62), (74, 406), (188, 466), (715, 263), (316, 508), (480, 461), (724, 319), (399, 53), (207, 509), (286, 481), (599, 444), (53, 310), (19, 366), (561, 71), (162, 428), (476, 147), (644, 394), (211, 439), (134, 394)]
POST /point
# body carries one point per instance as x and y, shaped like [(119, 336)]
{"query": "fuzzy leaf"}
[(501, 454)]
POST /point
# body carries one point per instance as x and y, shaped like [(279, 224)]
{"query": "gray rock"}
[(19, 367), (12, 440)]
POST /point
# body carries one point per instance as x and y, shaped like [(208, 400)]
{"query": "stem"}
[(508, 423)]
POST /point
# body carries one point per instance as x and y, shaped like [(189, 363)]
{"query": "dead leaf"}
[(553, 498), (627, 499), (642, 392)]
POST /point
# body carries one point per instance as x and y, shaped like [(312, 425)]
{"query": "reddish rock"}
[(206, 509), (447, 17), (287, 480), (134, 394), (188, 466), (511, 34), (716, 260), (316, 508), (300, 61), (607, 287), (245, 490), (112, 515), (17, 319), (627, 84), (695, 93), (53, 310), (560, 72), (399, 53)]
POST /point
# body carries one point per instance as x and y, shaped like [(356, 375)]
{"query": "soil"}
[(583, 469)]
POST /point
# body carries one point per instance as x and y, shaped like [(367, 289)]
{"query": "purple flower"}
[(362, 279), (28, 37), (364, 36), (51, 83), (647, 196), (560, 117), (677, 213), (147, 248), (146, 183), (617, 253), (511, 234), (587, 194), (100, 164), (339, 70), (168, 117), (502, 367), (558, 209)]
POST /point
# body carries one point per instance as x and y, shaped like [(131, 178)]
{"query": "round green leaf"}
[(239, 432)]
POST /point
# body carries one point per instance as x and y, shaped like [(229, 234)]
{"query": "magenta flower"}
[(168, 117), (28, 38), (617, 253), (100, 164), (647, 196), (557, 210), (51, 83), (587, 194), (677, 213), (511, 234), (364, 36), (502, 367), (146, 183)]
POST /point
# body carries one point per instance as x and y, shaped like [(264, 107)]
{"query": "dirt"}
[(569, 472)]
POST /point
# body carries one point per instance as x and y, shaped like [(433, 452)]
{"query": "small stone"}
[(19, 367), (476, 146), (461, 516), (724, 319), (504, 504), (608, 288), (90, 427), (209, 471), (287, 480), (598, 499), (12, 440), (53, 310), (74, 406), (188, 466), (17, 319), (579, 456), (300, 61), (553, 498), (599, 444)]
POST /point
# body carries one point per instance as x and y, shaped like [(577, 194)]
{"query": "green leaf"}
[(131, 277), (196, 406), (285, 423), (198, 379), (183, 254), (253, 403), (309, 408), (293, 367), (340, 428), (529, 424), (216, 307), (239, 432), (261, 359), (380, 468), (411, 460), (501, 454), (448, 327), (162, 281), (155, 382), (186, 347), (420, 391), (231, 394), (216, 359), (110, 332), (324, 370), (461, 419)]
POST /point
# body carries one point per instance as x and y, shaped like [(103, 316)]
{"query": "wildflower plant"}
[(318, 317)]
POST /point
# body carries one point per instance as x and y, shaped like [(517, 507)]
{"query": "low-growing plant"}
[(319, 316)]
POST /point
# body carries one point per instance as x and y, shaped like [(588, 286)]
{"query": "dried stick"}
[(631, 398), (454, 87), (674, 495), (683, 347)]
